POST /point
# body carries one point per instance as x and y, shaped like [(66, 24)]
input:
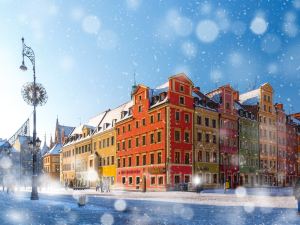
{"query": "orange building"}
[(51, 162), (154, 137)]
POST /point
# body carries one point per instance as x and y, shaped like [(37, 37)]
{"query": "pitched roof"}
[(55, 150), (251, 97), (112, 116)]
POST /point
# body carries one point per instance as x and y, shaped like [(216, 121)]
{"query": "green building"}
[(248, 145)]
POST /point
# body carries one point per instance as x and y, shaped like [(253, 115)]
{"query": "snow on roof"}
[(55, 150), (126, 108), (113, 116), (92, 123), (67, 130), (4, 144), (250, 98)]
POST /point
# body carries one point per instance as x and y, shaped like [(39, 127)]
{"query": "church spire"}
[(134, 86)]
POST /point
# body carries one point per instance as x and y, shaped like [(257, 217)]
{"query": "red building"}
[(229, 168), (291, 150), (281, 144), (154, 137)]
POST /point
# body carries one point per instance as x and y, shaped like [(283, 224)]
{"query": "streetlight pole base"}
[(34, 192)]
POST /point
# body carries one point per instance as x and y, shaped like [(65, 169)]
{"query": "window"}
[(144, 122), (118, 146), (187, 137), (177, 135), (152, 180), (119, 163), (177, 115), (129, 143), (159, 136), (151, 119), (214, 139), (136, 142), (136, 124), (199, 136), (124, 162), (152, 158), (107, 141), (269, 99), (159, 157), (123, 129), (214, 123), (140, 97), (140, 108), (112, 139), (107, 161), (187, 118), (186, 178), (177, 157), (207, 122), (137, 180), (144, 160), (130, 180), (181, 100), (123, 180), (137, 160), (176, 179), (181, 88), (199, 120), (144, 140), (206, 138), (123, 145), (118, 131), (227, 105), (187, 158), (158, 117), (129, 127), (129, 161), (152, 138), (160, 180), (200, 156), (112, 160), (207, 157)]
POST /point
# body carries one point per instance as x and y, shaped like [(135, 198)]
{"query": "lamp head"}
[(38, 142), (30, 144), (23, 67)]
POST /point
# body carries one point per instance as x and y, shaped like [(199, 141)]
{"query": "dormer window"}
[(196, 101), (162, 96), (129, 111), (123, 114)]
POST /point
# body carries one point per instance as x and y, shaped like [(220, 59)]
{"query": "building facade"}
[(154, 137), (226, 96), (281, 145), (206, 140), (263, 97), (248, 147), (51, 163)]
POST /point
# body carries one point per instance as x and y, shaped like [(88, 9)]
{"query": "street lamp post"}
[(34, 94)]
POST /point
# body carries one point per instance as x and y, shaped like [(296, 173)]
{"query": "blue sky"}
[(87, 52)]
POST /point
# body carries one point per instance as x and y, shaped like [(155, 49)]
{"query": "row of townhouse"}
[(167, 136)]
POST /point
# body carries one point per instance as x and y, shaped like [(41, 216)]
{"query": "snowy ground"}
[(120, 207)]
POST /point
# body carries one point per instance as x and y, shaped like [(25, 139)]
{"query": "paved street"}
[(153, 208)]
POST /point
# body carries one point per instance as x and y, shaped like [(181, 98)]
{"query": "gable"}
[(183, 78)]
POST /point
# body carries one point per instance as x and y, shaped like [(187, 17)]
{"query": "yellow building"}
[(104, 145), (51, 162), (206, 140), (78, 160)]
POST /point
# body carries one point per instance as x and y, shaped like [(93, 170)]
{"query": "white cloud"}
[(207, 31)]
